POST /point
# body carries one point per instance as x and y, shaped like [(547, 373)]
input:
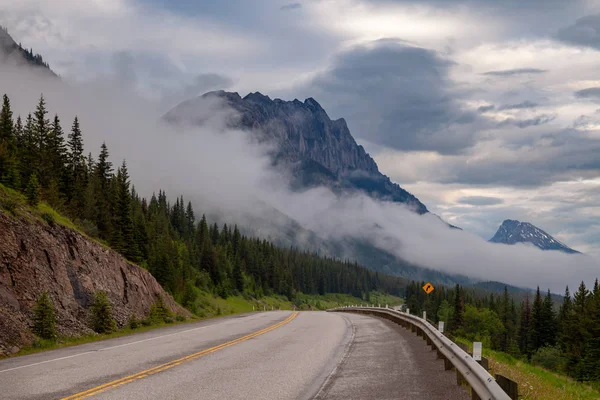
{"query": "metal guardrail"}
[(483, 385)]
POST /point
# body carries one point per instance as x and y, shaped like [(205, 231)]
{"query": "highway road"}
[(268, 355)]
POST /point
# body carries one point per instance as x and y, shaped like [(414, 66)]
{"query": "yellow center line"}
[(171, 364)]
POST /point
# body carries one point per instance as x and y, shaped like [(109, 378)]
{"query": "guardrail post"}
[(459, 379), (510, 387), (474, 395), (447, 365)]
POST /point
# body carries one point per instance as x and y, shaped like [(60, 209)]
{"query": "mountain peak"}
[(512, 231), (318, 151), (258, 97)]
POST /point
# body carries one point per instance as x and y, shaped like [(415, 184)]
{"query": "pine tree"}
[(537, 322), (103, 172), (549, 321), (29, 153), (124, 223), (580, 334), (564, 320), (525, 329), (9, 174), (102, 320), (41, 126), (44, 317), (33, 191), (459, 308)]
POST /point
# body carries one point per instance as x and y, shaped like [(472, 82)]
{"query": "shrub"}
[(9, 204), (49, 218), (133, 323), (44, 317), (159, 312), (550, 358), (102, 319), (180, 318), (89, 228)]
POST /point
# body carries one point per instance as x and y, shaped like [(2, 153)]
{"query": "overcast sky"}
[(484, 112)]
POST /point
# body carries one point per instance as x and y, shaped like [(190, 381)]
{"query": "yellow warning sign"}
[(428, 288)]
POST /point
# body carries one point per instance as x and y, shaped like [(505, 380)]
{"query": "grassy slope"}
[(536, 382)]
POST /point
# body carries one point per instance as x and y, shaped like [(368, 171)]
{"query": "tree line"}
[(184, 253), (561, 337)]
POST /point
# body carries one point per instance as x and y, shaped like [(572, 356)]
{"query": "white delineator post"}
[(425, 315), (441, 326), (477, 351)]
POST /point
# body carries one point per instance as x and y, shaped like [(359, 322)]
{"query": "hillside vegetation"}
[(46, 170)]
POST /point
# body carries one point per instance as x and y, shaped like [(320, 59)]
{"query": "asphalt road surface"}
[(268, 355)]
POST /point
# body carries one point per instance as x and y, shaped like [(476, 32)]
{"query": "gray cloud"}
[(203, 83), (124, 68), (518, 71), (483, 109), (538, 120), (292, 6), (584, 32), (519, 106), (480, 200), (589, 93), (397, 95)]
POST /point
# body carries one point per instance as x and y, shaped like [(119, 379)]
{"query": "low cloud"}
[(480, 201), (484, 109), (589, 93), (517, 71), (519, 106), (221, 170)]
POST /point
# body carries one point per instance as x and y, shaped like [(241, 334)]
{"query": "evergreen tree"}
[(580, 334), (549, 321), (564, 320), (44, 317), (103, 173), (33, 191), (9, 174), (459, 308), (525, 329), (102, 320), (537, 322), (41, 127)]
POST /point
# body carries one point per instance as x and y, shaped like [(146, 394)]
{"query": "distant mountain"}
[(512, 231), (11, 52), (317, 150)]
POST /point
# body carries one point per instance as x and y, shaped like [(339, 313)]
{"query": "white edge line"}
[(106, 348), (343, 359)]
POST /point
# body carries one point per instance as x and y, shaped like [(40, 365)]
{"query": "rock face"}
[(319, 151), (512, 231), (35, 257)]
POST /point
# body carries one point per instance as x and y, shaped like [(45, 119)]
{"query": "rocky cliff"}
[(319, 151), (35, 257)]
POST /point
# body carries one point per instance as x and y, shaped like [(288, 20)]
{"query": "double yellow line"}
[(142, 374)]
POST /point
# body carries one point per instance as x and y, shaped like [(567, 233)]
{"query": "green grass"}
[(536, 382)]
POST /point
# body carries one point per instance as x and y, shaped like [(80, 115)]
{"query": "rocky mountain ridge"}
[(319, 151), (513, 231), (16, 54)]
